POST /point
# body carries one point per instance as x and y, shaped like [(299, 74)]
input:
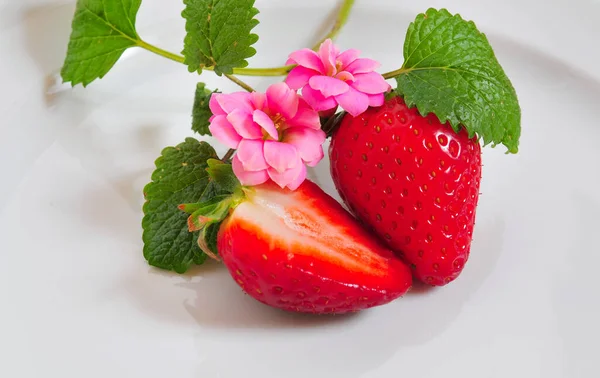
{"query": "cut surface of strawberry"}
[(301, 251)]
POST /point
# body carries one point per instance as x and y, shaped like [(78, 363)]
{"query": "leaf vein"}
[(407, 59)]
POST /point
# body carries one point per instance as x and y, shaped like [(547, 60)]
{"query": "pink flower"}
[(276, 134), (330, 78)]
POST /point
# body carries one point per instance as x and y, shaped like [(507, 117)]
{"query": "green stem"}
[(228, 155), (240, 83), (340, 21), (159, 51), (398, 72), (275, 71)]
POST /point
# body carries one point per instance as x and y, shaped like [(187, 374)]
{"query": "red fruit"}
[(414, 181), (301, 251)]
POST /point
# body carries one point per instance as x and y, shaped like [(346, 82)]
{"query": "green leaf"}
[(180, 177), (222, 175), (451, 70), (201, 113), (218, 34), (101, 30)]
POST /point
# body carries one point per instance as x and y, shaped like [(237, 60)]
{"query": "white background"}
[(79, 300)]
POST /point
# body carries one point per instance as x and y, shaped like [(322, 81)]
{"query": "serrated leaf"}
[(222, 175), (219, 34), (180, 177), (201, 113), (100, 31), (451, 70)]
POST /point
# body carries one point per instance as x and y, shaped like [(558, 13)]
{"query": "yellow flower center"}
[(279, 123)]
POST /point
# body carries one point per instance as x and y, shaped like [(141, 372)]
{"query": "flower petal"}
[(298, 77), (316, 100), (308, 143), (353, 101), (221, 129), (347, 57), (283, 100), (281, 156), (292, 178), (328, 86), (258, 100), (370, 83), (266, 123), (362, 65), (244, 125), (214, 106), (307, 58), (251, 155), (300, 177), (376, 100), (247, 177), (305, 117), (327, 55), (236, 100), (344, 76)]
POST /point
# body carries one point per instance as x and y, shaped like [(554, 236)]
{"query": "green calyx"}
[(207, 215)]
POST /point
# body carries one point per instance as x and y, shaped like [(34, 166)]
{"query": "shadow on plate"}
[(47, 30), (234, 326), (575, 294), (229, 308)]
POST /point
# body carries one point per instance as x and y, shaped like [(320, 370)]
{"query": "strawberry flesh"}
[(301, 251)]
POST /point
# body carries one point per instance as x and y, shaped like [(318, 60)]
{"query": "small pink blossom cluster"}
[(278, 133)]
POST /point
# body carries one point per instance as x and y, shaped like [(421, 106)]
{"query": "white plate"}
[(79, 300)]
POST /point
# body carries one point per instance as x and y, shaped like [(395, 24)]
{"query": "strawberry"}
[(301, 251), (414, 181)]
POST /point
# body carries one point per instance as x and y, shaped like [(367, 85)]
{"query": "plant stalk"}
[(275, 71), (239, 82), (159, 51), (228, 155), (340, 21), (398, 72)]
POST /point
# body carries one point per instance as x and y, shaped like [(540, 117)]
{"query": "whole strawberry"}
[(414, 181)]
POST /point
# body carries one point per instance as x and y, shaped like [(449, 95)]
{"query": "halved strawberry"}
[(301, 251)]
